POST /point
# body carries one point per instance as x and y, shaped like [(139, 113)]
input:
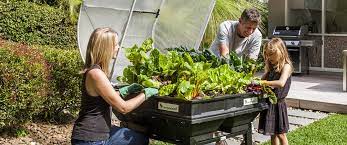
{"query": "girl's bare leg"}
[(283, 138), (274, 140)]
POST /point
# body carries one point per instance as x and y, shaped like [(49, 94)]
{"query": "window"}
[(306, 12), (336, 16)]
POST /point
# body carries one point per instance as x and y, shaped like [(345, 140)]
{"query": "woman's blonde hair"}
[(276, 44), (100, 48)]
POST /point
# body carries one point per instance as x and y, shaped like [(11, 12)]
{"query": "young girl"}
[(278, 70)]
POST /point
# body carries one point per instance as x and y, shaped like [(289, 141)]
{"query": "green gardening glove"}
[(133, 88), (149, 92)]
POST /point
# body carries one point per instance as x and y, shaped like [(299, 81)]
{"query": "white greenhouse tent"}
[(170, 23)]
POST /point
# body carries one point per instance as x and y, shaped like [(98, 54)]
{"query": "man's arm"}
[(255, 47), (223, 49), (222, 37)]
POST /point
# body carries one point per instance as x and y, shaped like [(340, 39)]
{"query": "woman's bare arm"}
[(103, 87)]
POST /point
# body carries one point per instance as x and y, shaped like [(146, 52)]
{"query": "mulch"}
[(42, 134)]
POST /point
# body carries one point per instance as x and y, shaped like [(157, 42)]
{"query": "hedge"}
[(23, 85), (65, 82), (37, 83), (31, 23)]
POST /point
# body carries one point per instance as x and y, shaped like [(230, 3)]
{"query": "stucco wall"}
[(333, 51)]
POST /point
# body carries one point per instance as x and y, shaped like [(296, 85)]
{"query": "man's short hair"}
[(251, 14)]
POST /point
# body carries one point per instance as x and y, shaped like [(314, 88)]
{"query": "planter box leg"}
[(248, 136)]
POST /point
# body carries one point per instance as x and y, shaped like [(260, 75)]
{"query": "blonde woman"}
[(93, 125), (278, 70)]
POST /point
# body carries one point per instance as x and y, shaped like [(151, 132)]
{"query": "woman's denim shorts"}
[(118, 136)]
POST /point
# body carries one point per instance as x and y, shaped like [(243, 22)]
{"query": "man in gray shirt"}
[(241, 36)]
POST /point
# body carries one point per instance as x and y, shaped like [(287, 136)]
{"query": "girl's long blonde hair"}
[(276, 44), (100, 48)]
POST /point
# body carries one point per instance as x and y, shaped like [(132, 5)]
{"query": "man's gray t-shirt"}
[(246, 47)]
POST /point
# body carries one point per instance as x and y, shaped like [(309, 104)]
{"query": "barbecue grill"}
[(297, 46)]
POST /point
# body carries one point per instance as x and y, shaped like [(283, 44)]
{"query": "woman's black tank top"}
[(94, 120)]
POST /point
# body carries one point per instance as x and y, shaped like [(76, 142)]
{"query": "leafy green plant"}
[(239, 64), (264, 91), (183, 75), (143, 67), (21, 132), (246, 65), (200, 56), (157, 142)]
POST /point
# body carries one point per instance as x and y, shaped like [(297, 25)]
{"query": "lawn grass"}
[(328, 131)]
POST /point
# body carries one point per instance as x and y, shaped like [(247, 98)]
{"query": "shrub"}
[(38, 83), (23, 84), (31, 23), (65, 82), (70, 6)]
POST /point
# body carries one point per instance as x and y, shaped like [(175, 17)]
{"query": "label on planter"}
[(168, 107), (250, 101)]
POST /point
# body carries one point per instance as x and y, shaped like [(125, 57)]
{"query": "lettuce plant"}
[(187, 74)]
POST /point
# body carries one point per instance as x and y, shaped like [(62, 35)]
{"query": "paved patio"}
[(318, 91), (321, 91)]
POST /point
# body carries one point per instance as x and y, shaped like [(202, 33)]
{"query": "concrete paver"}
[(296, 117), (306, 114), (293, 127), (299, 121), (260, 137), (233, 142)]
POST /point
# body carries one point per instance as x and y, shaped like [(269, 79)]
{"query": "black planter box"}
[(176, 120)]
